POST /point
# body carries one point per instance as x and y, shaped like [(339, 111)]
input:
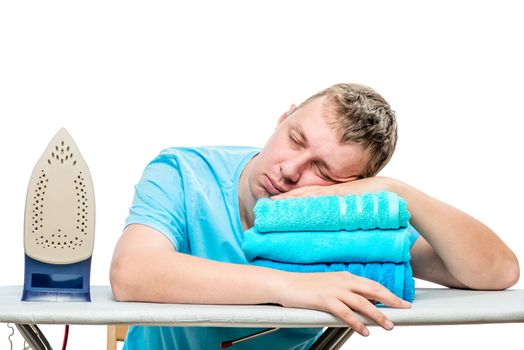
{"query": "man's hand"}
[(370, 184), (341, 294)]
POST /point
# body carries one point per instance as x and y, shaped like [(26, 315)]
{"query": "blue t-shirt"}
[(191, 196)]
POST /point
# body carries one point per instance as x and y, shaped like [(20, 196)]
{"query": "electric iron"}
[(59, 227)]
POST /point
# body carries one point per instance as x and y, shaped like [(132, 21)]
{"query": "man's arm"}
[(146, 267), (455, 249)]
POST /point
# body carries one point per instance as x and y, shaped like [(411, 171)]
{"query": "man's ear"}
[(287, 114)]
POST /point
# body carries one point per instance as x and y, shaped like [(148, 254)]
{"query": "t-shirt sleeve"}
[(159, 200), (413, 235)]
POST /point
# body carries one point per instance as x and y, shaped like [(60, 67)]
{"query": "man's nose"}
[(292, 169)]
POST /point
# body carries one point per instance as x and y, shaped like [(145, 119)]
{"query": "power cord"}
[(66, 335), (9, 337), (26, 347)]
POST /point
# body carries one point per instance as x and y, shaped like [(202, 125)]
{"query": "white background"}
[(129, 78)]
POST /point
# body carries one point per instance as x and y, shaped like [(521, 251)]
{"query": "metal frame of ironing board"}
[(440, 306), (332, 338)]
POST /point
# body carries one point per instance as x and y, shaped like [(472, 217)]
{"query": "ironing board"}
[(432, 306)]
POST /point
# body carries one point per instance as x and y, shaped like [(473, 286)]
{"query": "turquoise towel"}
[(383, 210), (398, 278), (322, 247)]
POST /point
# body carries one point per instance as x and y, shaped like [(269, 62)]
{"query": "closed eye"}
[(294, 140), (322, 173)]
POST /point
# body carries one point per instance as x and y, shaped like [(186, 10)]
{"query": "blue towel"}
[(398, 278), (322, 247), (383, 210)]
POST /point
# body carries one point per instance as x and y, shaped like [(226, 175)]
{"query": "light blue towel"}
[(398, 278), (383, 210), (323, 247)]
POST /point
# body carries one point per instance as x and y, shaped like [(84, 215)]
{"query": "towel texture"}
[(398, 278), (367, 235), (382, 210), (322, 247)]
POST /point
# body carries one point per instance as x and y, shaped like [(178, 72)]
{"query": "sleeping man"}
[(183, 238)]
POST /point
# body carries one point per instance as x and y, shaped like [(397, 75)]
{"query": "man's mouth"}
[(270, 187)]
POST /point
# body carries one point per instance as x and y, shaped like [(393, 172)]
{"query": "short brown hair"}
[(364, 117)]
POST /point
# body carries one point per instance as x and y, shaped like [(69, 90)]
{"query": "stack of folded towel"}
[(367, 235)]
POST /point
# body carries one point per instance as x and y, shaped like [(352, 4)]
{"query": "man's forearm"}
[(172, 277), (471, 252)]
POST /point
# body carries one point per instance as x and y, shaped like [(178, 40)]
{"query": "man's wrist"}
[(277, 285)]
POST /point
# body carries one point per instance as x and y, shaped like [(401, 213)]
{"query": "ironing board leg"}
[(332, 338), (34, 336), (324, 338), (342, 338)]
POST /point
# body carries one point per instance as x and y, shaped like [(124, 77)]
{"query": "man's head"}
[(360, 115), (340, 134)]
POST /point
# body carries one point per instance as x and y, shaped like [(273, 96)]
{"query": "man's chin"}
[(262, 193)]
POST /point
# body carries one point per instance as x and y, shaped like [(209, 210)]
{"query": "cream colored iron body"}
[(60, 209)]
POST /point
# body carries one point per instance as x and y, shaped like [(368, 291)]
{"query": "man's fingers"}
[(305, 191), (345, 296), (375, 291), (367, 309), (342, 311)]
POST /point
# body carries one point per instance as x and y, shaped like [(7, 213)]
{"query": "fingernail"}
[(388, 325), (365, 332), (406, 303)]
